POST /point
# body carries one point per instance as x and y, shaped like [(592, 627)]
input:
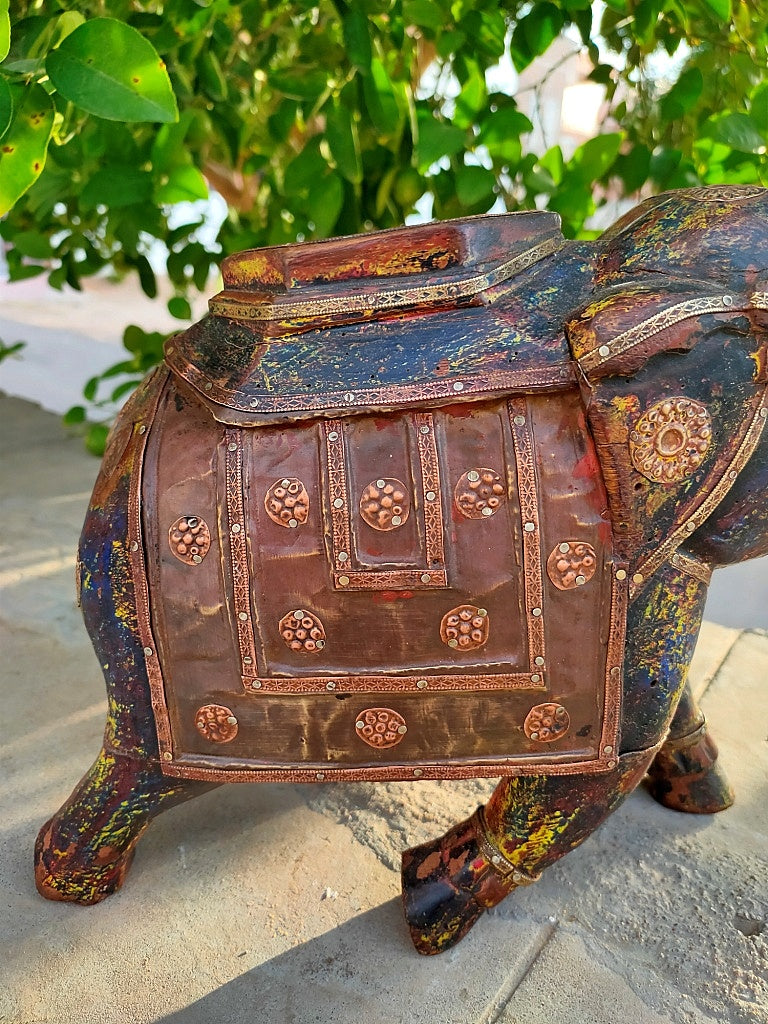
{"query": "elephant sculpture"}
[(430, 503)]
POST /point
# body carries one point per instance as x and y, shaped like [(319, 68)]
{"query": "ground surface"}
[(281, 903)]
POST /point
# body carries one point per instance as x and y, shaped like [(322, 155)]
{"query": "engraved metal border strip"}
[(646, 329), (237, 532), (303, 685), (392, 395), (137, 561), (433, 573), (467, 287), (533, 571), (694, 567), (710, 494)]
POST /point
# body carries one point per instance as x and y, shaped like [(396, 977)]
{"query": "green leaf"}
[(341, 133), (304, 170), (381, 101), (472, 99), (179, 307), (592, 160), (24, 146), (6, 107), (299, 83), (74, 415), (722, 8), (183, 184), (542, 26), (758, 108), (33, 244), (116, 187), (326, 198), (5, 29), (96, 438), (357, 39), (683, 95), (437, 139), (500, 132), (108, 69), (423, 13), (740, 132), (475, 185)]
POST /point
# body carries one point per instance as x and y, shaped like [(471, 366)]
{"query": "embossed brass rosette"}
[(670, 440), (479, 493), (385, 504), (302, 631), (571, 564), (287, 502), (465, 627), (216, 723), (545, 723), (190, 539), (381, 727)]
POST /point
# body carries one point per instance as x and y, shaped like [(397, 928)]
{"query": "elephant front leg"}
[(528, 824), (685, 774), (84, 852)]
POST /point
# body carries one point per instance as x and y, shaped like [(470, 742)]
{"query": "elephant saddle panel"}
[(389, 595)]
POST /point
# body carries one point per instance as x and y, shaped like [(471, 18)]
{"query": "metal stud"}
[(417, 772), (134, 545), (343, 556), (638, 577), (208, 386), (529, 527), (565, 547), (536, 612), (538, 661), (580, 581), (473, 475), (142, 429), (425, 577), (430, 495), (727, 300), (236, 528), (333, 436), (535, 678), (621, 574), (293, 523), (320, 775), (242, 616), (519, 421), (424, 429), (604, 351), (256, 684), (343, 581), (380, 483), (608, 749), (458, 386), (338, 503), (167, 755), (330, 685), (422, 684), (148, 652), (232, 446)]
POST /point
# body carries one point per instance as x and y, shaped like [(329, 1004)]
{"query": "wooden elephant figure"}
[(437, 502)]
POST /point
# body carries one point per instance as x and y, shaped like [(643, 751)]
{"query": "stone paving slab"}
[(281, 903)]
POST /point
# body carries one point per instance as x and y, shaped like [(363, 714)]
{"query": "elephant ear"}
[(620, 329)]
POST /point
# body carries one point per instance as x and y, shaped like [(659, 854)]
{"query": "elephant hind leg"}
[(84, 852), (685, 774)]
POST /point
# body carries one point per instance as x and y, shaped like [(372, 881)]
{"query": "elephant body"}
[(435, 502)]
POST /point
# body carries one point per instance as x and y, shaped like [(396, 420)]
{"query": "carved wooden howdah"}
[(438, 502)]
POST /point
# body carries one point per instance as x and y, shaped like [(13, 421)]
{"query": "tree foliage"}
[(321, 117)]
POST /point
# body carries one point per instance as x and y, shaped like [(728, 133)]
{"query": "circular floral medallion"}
[(380, 727), (670, 440), (571, 564), (287, 502), (545, 723), (479, 493), (302, 631), (190, 539), (216, 723), (465, 628), (385, 504)]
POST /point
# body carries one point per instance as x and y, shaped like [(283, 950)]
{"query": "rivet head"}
[(148, 652), (727, 300), (293, 523), (167, 755), (397, 520), (430, 495), (343, 556), (232, 446), (604, 351), (380, 483), (608, 749), (529, 527), (611, 764), (453, 642), (142, 429), (417, 772), (349, 397), (580, 581), (333, 436), (247, 660), (536, 612), (236, 528), (621, 574), (458, 386), (519, 421), (330, 685), (425, 577), (565, 547), (338, 503), (535, 678), (134, 545), (473, 475), (487, 511), (343, 581), (256, 684), (764, 413), (208, 386), (421, 683), (424, 429), (538, 661), (320, 775), (242, 616), (253, 403), (638, 577), (402, 729), (359, 725)]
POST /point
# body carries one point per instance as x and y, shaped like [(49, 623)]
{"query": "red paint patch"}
[(442, 368), (587, 468), (392, 595)]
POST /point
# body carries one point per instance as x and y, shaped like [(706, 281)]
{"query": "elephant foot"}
[(685, 775), (83, 854), (449, 882)]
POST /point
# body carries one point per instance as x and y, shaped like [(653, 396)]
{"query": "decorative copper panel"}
[(479, 493), (216, 723), (302, 631), (381, 727), (670, 440), (465, 627), (385, 504), (236, 522), (190, 539), (287, 502), (546, 723), (571, 564)]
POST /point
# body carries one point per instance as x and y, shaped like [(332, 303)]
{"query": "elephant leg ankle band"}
[(509, 872)]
